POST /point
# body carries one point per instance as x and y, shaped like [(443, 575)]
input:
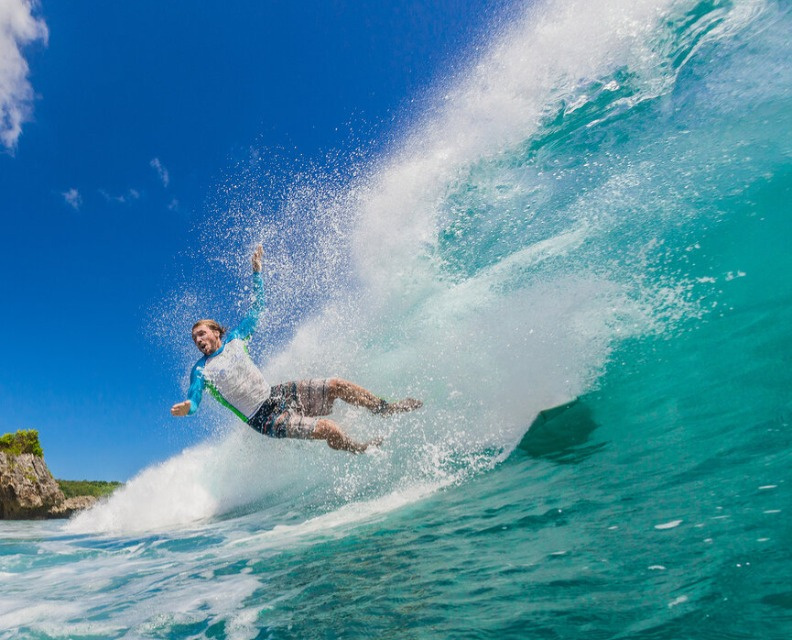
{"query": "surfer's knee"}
[(329, 431), (336, 439), (323, 428), (336, 387)]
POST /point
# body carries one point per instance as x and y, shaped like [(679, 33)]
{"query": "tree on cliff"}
[(23, 441)]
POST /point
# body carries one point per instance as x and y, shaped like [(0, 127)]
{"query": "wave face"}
[(596, 209)]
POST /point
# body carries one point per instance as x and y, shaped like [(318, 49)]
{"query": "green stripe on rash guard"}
[(225, 402)]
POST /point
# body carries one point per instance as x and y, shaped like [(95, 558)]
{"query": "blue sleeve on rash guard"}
[(246, 328), (195, 393)]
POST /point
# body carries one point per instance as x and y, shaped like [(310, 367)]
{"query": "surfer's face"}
[(206, 339)]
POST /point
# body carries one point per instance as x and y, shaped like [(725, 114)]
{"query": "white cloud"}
[(124, 198), (161, 171), (18, 28), (174, 205), (72, 196)]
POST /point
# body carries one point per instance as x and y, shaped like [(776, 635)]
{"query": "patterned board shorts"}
[(293, 409)]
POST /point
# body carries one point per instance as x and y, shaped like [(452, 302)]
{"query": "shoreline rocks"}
[(28, 490), (70, 506)]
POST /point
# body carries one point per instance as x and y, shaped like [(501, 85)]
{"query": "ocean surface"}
[(594, 215)]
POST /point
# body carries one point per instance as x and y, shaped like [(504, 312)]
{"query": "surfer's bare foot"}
[(362, 447), (402, 406)]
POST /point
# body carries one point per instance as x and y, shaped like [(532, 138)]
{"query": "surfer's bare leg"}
[(356, 395), (337, 439)]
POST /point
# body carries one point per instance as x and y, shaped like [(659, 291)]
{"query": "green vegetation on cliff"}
[(23, 441), (98, 488), (27, 441)]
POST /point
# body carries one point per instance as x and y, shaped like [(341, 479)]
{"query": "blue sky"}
[(118, 121)]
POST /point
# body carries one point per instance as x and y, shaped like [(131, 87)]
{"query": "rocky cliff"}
[(27, 488), (72, 505)]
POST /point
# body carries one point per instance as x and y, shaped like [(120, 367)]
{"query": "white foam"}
[(17, 613), (338, 521), (677, 601), (201, 482)]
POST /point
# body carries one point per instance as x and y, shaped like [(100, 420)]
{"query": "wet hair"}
[(214, 325)]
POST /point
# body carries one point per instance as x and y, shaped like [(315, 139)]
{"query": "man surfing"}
[(288, 410)]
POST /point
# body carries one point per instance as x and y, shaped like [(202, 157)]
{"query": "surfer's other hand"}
[(258, 254), (181, 409)]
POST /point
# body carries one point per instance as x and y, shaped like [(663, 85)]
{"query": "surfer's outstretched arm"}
[(194, 395), (243, 330), (248, 324)]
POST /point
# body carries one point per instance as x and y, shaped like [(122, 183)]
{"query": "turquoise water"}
[(597, 209)]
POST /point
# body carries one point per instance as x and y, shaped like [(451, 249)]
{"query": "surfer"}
[(288, 410)]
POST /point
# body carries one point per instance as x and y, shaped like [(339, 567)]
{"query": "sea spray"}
[(488, 264)]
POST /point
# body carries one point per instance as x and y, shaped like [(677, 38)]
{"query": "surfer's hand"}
[(258, 253), (181, 409)]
